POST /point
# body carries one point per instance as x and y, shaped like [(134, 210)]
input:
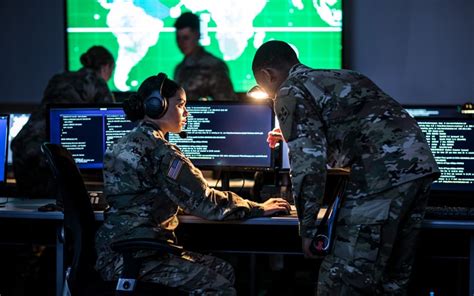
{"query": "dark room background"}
[(418, 51)]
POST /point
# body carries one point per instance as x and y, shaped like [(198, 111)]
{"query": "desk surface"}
[(22, 208), (28, 209), (18, 208)]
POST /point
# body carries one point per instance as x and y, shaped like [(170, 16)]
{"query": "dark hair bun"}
[(86, 60), (133, 108), (96, 56)]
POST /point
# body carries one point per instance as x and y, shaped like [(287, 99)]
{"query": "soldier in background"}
[(340, 118), (147, 180), (202, 75), (87, 85)]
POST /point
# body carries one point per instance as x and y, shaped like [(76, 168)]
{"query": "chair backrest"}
[(79, 219)]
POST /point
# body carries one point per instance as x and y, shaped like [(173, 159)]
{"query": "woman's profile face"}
[(106, 71), (174, 119)]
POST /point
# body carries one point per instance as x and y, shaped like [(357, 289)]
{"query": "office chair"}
[(80, 227)]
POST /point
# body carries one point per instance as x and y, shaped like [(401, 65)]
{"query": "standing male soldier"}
[(202, 75), (340, 118)]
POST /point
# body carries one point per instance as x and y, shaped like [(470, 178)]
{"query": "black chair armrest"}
[(137, 244)]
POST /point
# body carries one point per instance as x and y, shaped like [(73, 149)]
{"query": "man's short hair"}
[(274, 54), (187, 20)]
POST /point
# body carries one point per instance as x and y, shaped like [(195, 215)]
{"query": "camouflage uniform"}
[(339, 118), (147, 180), (203, 75), (33, 177)]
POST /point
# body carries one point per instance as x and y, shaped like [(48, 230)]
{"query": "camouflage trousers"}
[(375, 241), (194, 273)]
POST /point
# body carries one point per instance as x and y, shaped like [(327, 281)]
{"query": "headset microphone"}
[(183, 134)]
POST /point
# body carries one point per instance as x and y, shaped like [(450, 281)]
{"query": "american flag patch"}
[(175, 168)]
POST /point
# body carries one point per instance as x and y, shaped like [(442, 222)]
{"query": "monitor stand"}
[(225, 181)]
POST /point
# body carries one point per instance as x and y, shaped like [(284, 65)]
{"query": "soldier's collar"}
[(195, 56), (156, 128), (296, 68)]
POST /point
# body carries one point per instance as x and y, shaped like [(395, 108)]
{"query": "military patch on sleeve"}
[(285, 110), (283, 114), (175, 168)]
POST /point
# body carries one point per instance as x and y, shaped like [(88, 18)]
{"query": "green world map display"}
[(141, 36)]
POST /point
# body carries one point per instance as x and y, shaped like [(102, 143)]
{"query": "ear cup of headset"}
[(155, 105)]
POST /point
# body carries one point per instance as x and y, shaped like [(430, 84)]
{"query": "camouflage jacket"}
[(203, 75), (147, 179), (340, 118), (31, 171)]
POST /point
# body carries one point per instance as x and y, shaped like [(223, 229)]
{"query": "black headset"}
[(155, 104)]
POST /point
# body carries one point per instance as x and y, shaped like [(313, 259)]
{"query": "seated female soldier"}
[(147, 179)]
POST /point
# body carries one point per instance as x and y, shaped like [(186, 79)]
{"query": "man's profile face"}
[(188, 40), (262, 80), (270, 80)]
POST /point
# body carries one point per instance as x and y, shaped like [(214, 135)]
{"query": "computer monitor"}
[(422, 111), (87, 130), (3, 146), (284, 160), (452, 143), (17, 121), (141, 35), (227, 135)]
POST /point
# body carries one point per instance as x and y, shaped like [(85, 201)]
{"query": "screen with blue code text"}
[(87, 131), (228, 134)]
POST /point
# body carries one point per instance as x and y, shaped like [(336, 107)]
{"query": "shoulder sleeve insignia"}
[(175, 168), (285, 110), (283, 114)]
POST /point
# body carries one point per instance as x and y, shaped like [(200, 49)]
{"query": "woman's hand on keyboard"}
[(276, 205)]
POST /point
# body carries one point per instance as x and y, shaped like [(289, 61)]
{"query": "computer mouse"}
[(49, 208)]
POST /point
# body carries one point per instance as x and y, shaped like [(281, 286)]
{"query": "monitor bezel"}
[(227, 168)]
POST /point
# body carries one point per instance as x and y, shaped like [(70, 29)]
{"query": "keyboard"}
[(293, 210), (98, 201), (449, 213)]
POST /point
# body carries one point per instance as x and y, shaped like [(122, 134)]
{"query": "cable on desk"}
[(217, 181), (243, 183)]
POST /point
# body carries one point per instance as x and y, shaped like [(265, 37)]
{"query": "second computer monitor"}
[(87, 130), (227, 135), (452, 143), (17, 121), (3, 146), (285, 160), (451, 140)]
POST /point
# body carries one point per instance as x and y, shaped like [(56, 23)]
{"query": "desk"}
[(17, 209), (26, 209)]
